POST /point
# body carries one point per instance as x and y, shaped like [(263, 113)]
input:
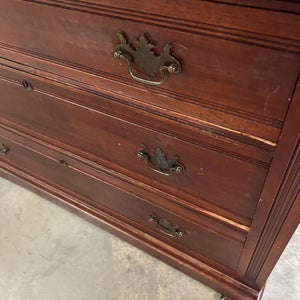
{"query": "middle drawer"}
[(211, 180)]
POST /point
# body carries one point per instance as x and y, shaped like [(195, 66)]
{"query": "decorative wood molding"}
[(285, 199), (193, 27), (68, 151), (201, 124), (201, 102), (291, 7), (222, 132), (272, 191), (205, 145)]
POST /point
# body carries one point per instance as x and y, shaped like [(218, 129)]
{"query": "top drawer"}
[(237, 80)]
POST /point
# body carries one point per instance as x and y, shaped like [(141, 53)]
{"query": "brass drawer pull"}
[(158, 162), (145, 59), (165, 226), (3, 149)]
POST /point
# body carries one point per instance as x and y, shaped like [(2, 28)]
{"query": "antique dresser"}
[(172, 124)]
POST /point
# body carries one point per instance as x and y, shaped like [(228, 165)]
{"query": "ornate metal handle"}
[(3, 149), (165, 226), (158, 162), (146, 60)]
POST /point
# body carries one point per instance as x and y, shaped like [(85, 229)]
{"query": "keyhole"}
[(27, 85), (63, 162)]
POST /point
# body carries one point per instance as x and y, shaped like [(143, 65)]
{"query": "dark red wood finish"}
[(279, 201), (107, 193), (230, 116), (247, 81), (180, 126), (245, 17), (211, 276), (88, 130)]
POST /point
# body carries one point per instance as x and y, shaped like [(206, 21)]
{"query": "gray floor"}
[(46, 253)]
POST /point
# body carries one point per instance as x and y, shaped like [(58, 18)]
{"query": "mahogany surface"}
[(231, 116), (72, 179), (237, 192), (246, 81)]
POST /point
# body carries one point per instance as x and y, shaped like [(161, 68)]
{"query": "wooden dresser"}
[(172, 124)]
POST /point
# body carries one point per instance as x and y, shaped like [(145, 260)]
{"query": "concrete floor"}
[(47, 253)]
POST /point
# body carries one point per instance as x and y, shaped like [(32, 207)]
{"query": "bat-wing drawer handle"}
[(165, 227), (143, 58), (158, 162)]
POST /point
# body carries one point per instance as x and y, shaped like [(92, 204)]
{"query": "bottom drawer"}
[(102, 190)]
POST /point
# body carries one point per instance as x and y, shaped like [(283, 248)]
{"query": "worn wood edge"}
[(273, 193), (214, 127), (239, 227), (52, 186), (281, 241), (193, 27), (261, 293), (196, 141), (101, 165), (285, 199), (205, 126), (201, 102), (210, 276), (278, 5), (61, 192)]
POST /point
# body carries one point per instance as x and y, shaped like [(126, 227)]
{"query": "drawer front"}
[(222, 81), (222, 183), (65, 174)]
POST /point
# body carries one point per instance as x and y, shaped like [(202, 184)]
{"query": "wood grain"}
[(45, 165), (278, 196), (210, 276), (241, 19), (231, 117), (59, 74), (260, 90), (286, 199), (115, 143)]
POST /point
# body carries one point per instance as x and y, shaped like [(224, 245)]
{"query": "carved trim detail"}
[(285, 199), (68, 152), (183, 121), (206, 145), (156, 90), (193, 27)]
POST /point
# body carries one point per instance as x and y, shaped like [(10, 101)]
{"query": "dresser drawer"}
[(214, 180), (241, 86), (121, 200)]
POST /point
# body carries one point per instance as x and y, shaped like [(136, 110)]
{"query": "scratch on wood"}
[(235, 131), (201, 121), (224, 219), (269, 96)]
